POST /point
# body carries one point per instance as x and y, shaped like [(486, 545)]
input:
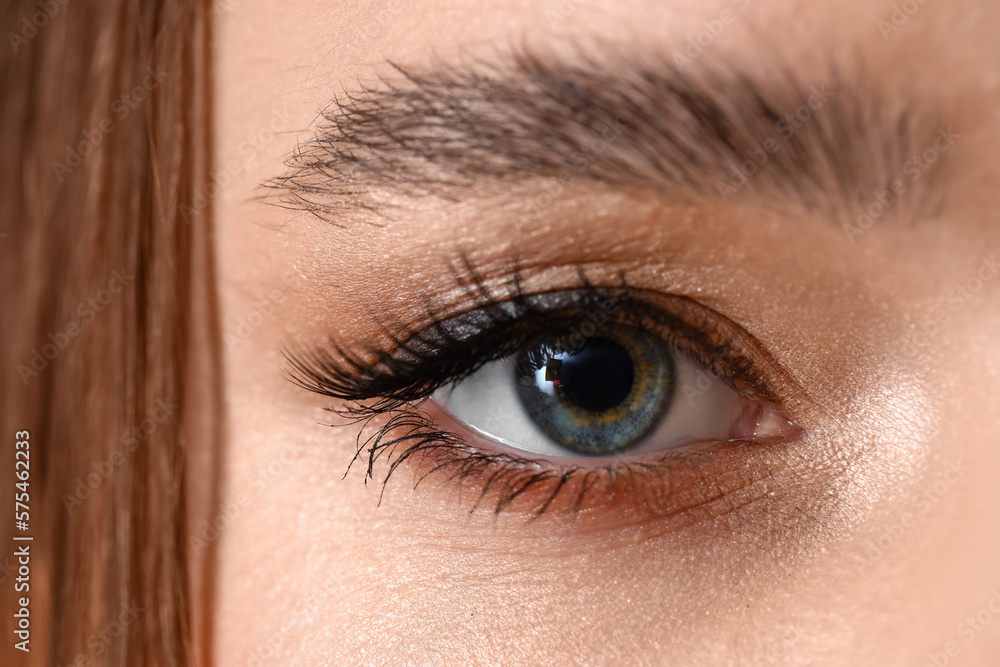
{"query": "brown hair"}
[(106, 265)]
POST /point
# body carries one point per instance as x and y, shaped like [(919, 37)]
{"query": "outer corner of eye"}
[(622, 391)]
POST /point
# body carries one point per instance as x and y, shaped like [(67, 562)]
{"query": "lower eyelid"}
[(656, 493), (764, 425)]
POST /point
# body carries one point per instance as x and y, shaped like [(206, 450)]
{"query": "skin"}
[(871, 542)]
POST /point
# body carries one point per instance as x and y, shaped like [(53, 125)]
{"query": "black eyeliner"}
[(412, 366), (449, 349)]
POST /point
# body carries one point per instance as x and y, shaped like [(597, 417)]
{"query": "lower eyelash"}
[(670, 485), (421, 438)]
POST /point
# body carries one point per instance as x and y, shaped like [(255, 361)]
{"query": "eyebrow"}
[(824, 144)]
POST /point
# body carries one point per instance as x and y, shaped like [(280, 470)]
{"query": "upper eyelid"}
[(367, 365), (391, 372)]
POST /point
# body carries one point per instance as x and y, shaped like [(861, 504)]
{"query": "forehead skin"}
[(881, 565)]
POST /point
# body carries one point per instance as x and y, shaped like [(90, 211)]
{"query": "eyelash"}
[(382, 386)]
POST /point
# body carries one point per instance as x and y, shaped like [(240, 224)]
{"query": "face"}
[(607, 333)]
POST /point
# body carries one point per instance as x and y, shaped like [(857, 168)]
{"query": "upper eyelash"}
[(391, 371), (414, 365)]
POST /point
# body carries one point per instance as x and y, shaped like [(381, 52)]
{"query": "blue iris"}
[(597, 396)]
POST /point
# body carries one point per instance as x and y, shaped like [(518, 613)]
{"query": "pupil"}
[(598, 377), (598, 395)]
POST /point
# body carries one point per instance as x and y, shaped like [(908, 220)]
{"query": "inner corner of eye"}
[(621, 390)]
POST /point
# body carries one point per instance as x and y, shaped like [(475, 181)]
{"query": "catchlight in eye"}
[(596, 396)]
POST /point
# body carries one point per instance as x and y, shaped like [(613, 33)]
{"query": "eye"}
[(619, 390), (571, 401)]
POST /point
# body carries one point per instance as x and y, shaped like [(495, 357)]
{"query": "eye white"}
[(701, 408)]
